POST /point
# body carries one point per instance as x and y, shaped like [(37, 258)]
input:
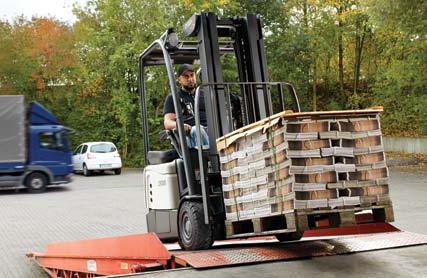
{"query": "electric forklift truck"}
[(183, 189), (183, 186)]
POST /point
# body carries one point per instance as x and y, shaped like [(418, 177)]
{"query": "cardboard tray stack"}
[(256, 177), (303, 162)]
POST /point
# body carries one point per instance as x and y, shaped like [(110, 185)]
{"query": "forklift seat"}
[(158, 157)]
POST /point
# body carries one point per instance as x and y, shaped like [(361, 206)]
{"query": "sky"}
[(60, 9)]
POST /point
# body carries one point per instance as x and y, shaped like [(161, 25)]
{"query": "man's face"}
[(188, 80)]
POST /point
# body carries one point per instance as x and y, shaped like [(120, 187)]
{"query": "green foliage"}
[(87, 73), (113, 35), (400, 82)]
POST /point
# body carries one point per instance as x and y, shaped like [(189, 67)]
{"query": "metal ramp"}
[(274, 251), (105, 256), (145, 252)]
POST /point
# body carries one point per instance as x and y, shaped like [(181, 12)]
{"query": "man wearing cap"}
[(186, 77)]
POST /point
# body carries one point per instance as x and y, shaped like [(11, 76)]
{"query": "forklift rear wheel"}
[(86, 171), (289, 236), (36, 183), (193, 233)]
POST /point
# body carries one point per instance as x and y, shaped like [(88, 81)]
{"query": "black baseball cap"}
[(183, 68)]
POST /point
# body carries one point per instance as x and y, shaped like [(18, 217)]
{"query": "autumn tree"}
[(339, 54), (37, 59)]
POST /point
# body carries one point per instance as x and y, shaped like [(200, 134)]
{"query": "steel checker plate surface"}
[(297, 250)]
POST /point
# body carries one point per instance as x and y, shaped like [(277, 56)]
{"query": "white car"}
[(97, 156)]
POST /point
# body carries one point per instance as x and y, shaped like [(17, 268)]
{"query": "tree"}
[(339, 54), (113, 34), (400, 81), (37, 59)]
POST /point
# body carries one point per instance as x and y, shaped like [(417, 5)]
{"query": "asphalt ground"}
[(109, 205)]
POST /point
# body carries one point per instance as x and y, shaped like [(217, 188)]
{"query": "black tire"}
[(289, 236), (36, 182), (118, 171), (193, 233), (86, 171)]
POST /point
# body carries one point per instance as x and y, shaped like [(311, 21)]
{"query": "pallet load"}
[(282, 174)]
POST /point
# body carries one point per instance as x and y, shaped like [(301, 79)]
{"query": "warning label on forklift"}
[(91, 265), (124, 266)]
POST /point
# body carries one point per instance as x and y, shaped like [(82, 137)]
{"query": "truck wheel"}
[(36, 183), (193, 233), (118, 171), (86, 171), (289, 236)]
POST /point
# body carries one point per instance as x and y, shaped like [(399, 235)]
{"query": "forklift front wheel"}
[(193, 233)]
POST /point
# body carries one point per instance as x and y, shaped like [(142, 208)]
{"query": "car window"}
[(103, 148), (84, 149), (77, 151)]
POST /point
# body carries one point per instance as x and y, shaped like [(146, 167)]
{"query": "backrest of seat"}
[(158, 157)]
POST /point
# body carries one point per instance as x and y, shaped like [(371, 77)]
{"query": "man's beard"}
[(189, 87)]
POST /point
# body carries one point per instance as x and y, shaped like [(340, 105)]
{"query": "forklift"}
[(182, 185)]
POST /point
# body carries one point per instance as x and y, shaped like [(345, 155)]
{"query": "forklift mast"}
[(248, 45)]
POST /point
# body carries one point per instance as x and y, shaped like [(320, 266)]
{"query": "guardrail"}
[(405, 144)]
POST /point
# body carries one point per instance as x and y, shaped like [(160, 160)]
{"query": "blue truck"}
[(34, 147)]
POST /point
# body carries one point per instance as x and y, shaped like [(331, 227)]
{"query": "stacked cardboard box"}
[(299, 161), (342, 164), (255, 175)]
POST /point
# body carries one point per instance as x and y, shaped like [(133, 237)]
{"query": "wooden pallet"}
[(370, 201), (261, 226), (341, 217)]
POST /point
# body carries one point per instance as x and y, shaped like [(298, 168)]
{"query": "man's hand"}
[(170, 123), (187, 129)]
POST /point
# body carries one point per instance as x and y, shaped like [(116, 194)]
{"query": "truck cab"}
[(35, 148)]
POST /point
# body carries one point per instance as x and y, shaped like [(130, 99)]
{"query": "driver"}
[(186, 77)]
